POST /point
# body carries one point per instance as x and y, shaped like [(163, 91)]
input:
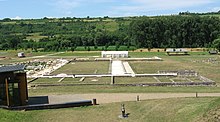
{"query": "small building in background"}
[(177, 51), (13, 86), (213, 52), (21, 55), (114, 54)]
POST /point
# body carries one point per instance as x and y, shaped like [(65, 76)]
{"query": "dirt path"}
[(42, 56), (122, 97)]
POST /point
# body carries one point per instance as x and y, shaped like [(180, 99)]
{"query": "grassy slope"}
[(119, 89), (179, 110), (109, 25)]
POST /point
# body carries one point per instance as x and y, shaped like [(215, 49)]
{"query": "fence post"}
[(196, 94), (112, 80), (138, 98), (94, 102)]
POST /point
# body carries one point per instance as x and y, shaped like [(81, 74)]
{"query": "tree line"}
[(174, 31), (141, 32)]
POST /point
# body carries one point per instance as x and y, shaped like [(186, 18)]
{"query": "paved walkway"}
[(128, 68), (117, 68), (122, 97)]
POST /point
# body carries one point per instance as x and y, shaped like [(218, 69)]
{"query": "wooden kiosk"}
[(13, 86)]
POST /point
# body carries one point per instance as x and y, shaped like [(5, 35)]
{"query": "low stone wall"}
[(50, 106), (171, 84)]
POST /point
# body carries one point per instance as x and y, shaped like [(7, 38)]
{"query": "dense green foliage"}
[(93, 34), (175, 31), (209, 13), (216, 43), (63, 34)]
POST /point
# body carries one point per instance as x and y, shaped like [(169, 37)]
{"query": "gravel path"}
[(121, 97)]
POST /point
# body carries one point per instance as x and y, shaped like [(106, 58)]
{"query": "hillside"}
[(141, 32)]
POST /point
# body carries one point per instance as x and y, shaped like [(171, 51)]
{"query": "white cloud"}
[(101, 1), (215, 9), (51, 17), (143, 6), (125, 7), (65, 6), (17, 18), (168, 4)]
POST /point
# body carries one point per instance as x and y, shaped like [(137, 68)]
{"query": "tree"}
[(95, 47), (6, 19), (142, 32), (72, 49), (88, 49), (216, 44), (117, 46), (106, 47)]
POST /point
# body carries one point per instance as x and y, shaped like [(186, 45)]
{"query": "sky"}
[(31, 9)]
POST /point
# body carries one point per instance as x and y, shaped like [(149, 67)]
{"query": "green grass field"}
[(100, 67), (181, 109), (80, 54), (55, 81), (206, 65), (10, 56), (198, 61), (81, 89), (176, 109)]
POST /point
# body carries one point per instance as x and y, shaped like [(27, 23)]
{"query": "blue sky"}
[(99, 8)]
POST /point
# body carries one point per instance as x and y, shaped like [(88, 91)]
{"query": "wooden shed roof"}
[(12, 68)]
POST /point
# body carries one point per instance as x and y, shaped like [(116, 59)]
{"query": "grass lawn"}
[(104, 80), (55, 81), (119, 89), (206, 65), (80, 54), (99, 67), (28, 53), (11, 56), (146, 54), (134, 80), (164, 79), (176, 109)]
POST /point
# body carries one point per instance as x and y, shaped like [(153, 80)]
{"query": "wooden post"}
[(7, 93), (21, 77), (138, 98), (196, 94), (112, 80), (94, 102)]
